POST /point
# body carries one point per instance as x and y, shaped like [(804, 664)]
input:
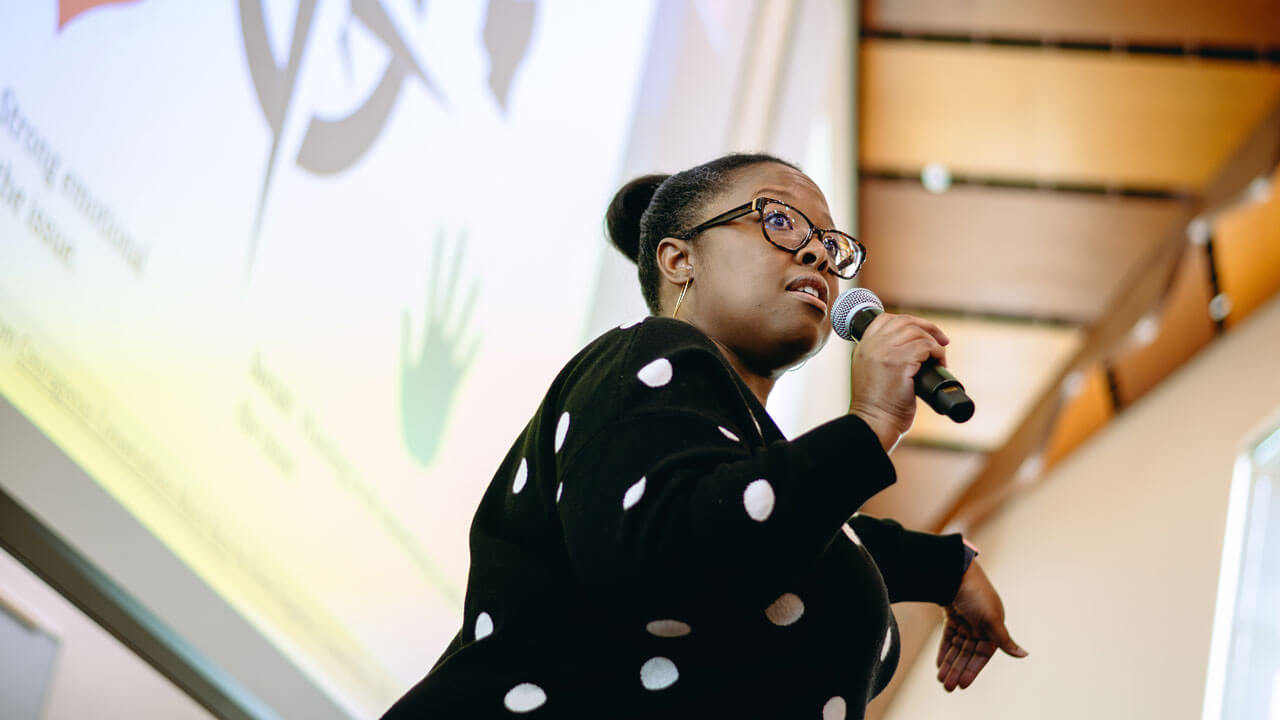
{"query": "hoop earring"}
[(681, 298)]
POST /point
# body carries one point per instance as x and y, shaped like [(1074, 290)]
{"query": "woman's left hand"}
[(974, 629)]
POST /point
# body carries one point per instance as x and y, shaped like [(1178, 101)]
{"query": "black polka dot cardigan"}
[(653, 547)]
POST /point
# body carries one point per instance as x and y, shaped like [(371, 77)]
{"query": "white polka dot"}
[(728, 433), (656, 373), (785, 610), (758, 499), (559, 491), (634, 493), (668, 628), (562, 429), (484, 626), (852, 535), (658, 673), (522, 476), (631, 324), (834, 709), (524, 697), (888, 640)]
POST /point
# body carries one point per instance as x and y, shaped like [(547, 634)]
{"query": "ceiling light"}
[(1072, 384), (935, 177), (1145, 331), (1198, 232), (1030, 469), (1220, 307), (1259, 190)]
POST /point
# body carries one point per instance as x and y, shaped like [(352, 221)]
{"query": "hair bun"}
[(622, 220)]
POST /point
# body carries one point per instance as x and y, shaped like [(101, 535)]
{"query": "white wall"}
[(774, 76), (93, 675), (1109, 568)]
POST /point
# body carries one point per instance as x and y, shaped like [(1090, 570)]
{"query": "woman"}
[(652, 546)]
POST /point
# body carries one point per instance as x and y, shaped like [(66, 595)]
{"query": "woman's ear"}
[(675, 260)]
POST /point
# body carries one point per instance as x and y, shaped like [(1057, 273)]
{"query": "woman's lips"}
[(812, 300), (810, 289)]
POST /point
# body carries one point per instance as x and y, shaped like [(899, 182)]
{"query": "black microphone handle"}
[(934, 383)]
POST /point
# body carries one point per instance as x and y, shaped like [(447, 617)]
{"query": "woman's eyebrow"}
[(766, 190), (771, 191)]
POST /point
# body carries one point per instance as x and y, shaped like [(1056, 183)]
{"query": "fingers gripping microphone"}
[(853, 312)]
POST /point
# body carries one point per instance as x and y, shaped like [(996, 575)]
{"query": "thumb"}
[(1006, 643)]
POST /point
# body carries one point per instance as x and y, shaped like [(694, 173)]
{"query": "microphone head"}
[(848, 305)]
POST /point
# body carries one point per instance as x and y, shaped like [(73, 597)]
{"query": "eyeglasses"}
[(788, 229)]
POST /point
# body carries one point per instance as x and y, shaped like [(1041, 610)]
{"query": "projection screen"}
[(264, 271)]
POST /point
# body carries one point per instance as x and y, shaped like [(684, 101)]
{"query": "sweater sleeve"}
[(668, 504), (916, 566)]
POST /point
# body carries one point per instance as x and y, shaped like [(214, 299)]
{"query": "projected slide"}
[(286, 278)]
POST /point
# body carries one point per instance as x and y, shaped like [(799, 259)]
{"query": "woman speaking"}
[(653, 547)]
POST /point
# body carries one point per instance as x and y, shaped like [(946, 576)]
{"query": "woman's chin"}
[(800, 344)]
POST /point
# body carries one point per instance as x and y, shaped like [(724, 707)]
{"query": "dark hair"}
[(652, 207)]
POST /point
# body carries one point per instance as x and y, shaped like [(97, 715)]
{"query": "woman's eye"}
[(778, 221)]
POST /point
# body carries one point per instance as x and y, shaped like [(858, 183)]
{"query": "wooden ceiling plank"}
[(1068, 117), (1238, 23), (1257, 155), (1006, 251)]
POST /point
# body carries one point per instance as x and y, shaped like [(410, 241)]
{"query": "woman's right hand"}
[(973, 631), (885, 363)]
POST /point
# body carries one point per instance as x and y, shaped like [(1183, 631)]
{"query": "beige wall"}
[(1109, 568)]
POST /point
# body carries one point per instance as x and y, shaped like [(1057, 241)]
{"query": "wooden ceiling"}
[(1007, 251), (1105, 214), (1061, 116)]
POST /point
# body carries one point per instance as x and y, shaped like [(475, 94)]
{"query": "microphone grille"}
[(849, 302)]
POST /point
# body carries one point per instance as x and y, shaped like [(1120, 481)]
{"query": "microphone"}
[(853, 312)]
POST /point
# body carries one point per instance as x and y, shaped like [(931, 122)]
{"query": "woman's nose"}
[(813, 253)]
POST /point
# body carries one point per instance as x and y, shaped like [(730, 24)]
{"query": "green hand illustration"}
[(428, 386)]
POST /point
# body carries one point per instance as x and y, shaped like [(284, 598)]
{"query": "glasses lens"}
[(788, 229), (845, 253), (783, 226)]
